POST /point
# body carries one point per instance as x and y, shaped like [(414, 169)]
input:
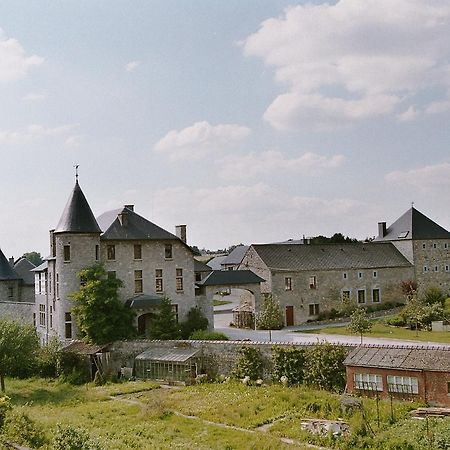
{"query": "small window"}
[(425, 269), (375, 274), (168, 251), (375, 295), (287, 283), (424, 246), (360, 275), (434, 245), (159, 280), (97, 252), (446, 245), (137, 251), (51, 317), (345, 296), (111, 252), (368, 382), (314, 309), (66, 253), (344, 276), (42, 315), (361, 296), (111, 274), (447, 267), (448, 387), (404, 385), (57, 285), (68, 325), (436, 268), (138, 282), (179, 279), (312, 282)]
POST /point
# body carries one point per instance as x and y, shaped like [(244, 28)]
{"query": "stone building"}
[(149, 260)]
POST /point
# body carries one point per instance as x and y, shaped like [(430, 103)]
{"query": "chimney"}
[(131, 207), (11, 261), (123, 218), (381, 229), (180, 231), (52, 243)]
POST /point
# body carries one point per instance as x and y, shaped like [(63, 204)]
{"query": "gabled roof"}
[(201, 267), (77, 216), (6, 271), (41, 267), (24, 268), (175, 354), (406, 358), (216, 262), (330, 256), (236, 256), (230, 278), (414, 225), (132, 226)]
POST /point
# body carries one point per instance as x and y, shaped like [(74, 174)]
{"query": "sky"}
[(249, 121)]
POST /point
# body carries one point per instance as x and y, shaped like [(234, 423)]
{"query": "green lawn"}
[(221, 302), (379, 329)]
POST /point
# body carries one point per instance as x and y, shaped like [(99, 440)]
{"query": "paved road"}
[(222, 321)]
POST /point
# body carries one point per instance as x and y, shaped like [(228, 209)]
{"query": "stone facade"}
[(19, 311)]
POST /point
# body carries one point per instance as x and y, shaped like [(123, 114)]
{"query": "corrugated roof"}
[(175, 354), (24, 268), (77, 216), (423, 358), (330, 256), (230, 278), (133, 227), (414, 225), (236, 255), (6, 271)]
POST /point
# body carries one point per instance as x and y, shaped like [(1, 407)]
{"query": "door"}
[(289, 316)]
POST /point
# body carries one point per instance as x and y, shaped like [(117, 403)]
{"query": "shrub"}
[(47, 360), (288, 362), (5, 406), (204, 335), (396, 321), (433, 295), (270, 316), (72, 438), (73, 368), (195, 321), (249, 363), (19, 428)]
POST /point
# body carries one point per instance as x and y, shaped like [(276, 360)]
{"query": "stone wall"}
[(20, 311)]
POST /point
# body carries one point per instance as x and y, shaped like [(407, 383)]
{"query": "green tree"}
[(100, 315), (19, 345), (33, 257), (164, 324), (360, 322), (270, 316), (195, 321)]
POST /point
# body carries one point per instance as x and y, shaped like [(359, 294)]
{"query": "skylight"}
[(403, 234)]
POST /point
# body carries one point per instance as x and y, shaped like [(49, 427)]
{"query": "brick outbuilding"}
[(421, 373)]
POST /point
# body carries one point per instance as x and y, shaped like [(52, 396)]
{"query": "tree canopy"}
[(164, 324), (100, 315), (337, 238), (360, 322), (33, 257), (270, 317)]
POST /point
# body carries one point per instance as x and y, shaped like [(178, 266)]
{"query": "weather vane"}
[(76, 171)]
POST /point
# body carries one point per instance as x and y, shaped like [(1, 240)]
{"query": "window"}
[(360, 275), (138, 282), (361, 296), (50, 282), (97, 252), (436, 268), (137, 251), (66, 253), (434, 245), (168, 251), (425, 269), (404, 385), (447, 267), (111, 274), (312, 282), (198, 277), (68, 325), (314, 309), (287, 283), (10, 291), (375, 274), (345, 296), (368, 382), (159, 280), (57, 286), (375, 295), (34, 320), (175, 311), (42, 315), (179, 279), (344, 275), (424, 246), (448, 387), (51, 316), (446, 245), (111, 252)]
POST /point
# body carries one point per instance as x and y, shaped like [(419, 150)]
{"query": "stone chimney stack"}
[(11, 261), (180, 231), (130, 207), (381, 229)]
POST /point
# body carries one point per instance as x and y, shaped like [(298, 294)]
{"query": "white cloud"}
[(132, 66), (353, 60), (257, 164), (14, 64), (429, 178), (200, 139), (33, 97), (409, 115), (33, 133)]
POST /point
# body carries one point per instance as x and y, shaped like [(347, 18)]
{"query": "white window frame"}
[(344, 276), (368, 382), (288, 283), (402, 384)]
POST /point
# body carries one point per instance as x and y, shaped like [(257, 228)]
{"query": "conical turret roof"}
[(6, 271), (77, 216)]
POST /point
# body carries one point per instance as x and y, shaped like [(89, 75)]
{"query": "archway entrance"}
[(144, 323)]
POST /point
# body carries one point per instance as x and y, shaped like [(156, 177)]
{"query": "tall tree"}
[(33, 257), (19, 345), (164, 324), (100, 315), (360, 322)]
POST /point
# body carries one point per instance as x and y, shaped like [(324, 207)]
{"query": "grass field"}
[(141, 415), (379, 329), (221, 302)]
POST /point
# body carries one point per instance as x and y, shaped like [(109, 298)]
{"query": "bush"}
[(19, 428), (47, 359), (396, 321), (288, 362), (72, 438), (433, 295), (195, 321), (249, 363), (5, 406), (204, 335), (270, 317), (73, 368)]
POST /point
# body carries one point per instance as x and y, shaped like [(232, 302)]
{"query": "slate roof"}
[(176, 354), (77, 216), (422, 358), (24, 268), (143, 301), (82, 348), (201, 267), (6, 271), (40, 268), (230, 278), (216, 262), (135, 227), (236, 256), (414, 225), (330, 256)]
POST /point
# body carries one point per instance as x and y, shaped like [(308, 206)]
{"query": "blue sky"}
[(250, 121)]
